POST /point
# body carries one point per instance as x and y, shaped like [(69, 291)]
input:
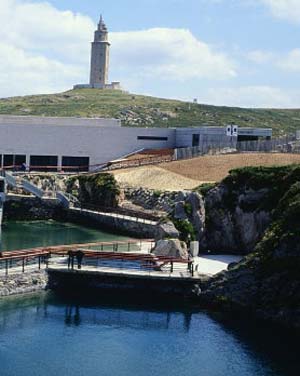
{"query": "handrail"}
[(121, 211)]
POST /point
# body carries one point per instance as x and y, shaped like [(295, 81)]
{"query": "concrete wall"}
[(98, 142), (101, 140), (150, 289), (119, 224), (184, 136)]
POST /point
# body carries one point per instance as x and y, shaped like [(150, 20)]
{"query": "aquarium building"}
[(45, 142)]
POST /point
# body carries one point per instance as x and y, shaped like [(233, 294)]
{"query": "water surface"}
[(50, 336), (21, 234)]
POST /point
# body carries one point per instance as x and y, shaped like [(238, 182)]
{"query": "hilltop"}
[(139, 110)]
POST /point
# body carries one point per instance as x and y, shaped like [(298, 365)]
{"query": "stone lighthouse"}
[(100, 57), (100, 61)]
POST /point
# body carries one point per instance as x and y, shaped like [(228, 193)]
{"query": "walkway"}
[(114, 215)]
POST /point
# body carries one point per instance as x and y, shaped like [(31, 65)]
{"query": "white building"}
[(45, 143)]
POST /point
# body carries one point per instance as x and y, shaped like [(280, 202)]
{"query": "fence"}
[(29, 259), (119, 260), (121, 211), (286, 144), (206, 148)]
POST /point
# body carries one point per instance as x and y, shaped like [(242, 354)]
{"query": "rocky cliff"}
[(267, 282)]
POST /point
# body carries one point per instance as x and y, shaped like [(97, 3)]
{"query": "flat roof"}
[(52, 120)]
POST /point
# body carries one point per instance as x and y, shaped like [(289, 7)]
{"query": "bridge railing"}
[(123, 262), (19, 261), (121, 211)]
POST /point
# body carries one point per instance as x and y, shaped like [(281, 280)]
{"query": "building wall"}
[(184, 136), (101, 140), (100, 143)]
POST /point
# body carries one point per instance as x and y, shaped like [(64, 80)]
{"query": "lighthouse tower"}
[(100, 61), (100, 57)]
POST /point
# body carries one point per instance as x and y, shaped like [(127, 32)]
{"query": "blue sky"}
[(224, 52)]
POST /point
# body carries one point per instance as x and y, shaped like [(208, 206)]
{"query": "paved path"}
[(203, 265), (213, 264), (115, 215)]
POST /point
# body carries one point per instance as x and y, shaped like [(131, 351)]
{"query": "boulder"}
[(171, 248), (166, 230)]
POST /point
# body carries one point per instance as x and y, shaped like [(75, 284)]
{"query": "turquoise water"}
[(20, 235), (50, 336)]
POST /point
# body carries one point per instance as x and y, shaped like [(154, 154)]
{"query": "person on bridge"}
[(79, 257)]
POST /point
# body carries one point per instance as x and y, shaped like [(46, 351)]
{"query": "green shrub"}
[(188, 208), (100, 189), (186, 230), (204, 188)]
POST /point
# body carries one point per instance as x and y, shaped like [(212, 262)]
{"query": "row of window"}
[(45, 163)]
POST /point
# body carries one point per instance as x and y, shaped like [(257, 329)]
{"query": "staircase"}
[(66, 199)]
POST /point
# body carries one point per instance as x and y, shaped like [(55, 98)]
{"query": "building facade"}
[(81, 143)]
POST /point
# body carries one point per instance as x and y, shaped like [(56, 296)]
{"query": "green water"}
[(20, 235)]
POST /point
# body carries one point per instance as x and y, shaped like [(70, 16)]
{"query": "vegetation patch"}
[(186, 230), (99, 189), (204, 188), (140, 110)]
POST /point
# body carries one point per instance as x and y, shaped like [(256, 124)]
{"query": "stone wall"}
[(150, 199), (147, 288), (109, 222), (23, 283), (31, 208)]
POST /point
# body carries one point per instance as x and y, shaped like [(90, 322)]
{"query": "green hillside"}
[(138, 110)]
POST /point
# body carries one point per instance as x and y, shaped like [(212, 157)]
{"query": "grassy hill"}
[(138, 110)]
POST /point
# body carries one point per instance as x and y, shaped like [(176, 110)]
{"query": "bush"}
[(186, 230), (204, 188), (100, 189)]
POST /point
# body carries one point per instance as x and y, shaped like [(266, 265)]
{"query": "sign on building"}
[(232, 130)]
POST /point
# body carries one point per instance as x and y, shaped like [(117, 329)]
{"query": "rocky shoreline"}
[(255, 212), (23, 283)]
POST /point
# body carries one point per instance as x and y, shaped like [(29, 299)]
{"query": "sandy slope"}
[(154, 178), (191, 173)]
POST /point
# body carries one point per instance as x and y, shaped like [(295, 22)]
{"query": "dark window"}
[(43, 163), (196, 139), (152, 138), (8, 160), (247, 138), (75, 164), (13, 161)]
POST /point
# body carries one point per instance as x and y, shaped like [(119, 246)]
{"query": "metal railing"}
[(120, 211), (118, 261), (19, 261)]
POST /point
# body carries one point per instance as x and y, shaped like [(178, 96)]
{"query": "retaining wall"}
[(120, 224)]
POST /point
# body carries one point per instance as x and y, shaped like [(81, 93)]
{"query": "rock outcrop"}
[(171, 248), (266, 283), (166, 230), (235, 220)]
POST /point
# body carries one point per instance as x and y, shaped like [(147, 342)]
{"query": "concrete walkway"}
[(213, 264), (114, 215), (204, 265)]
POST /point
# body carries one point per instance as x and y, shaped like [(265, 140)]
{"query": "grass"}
[(139, 110)]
